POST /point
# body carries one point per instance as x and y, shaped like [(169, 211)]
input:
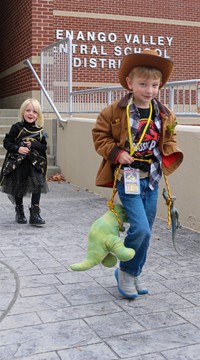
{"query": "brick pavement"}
[(62, 315)]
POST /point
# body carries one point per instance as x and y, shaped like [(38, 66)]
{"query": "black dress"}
[(24, 174)]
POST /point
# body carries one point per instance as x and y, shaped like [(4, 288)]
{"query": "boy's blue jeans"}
[(141, 212)]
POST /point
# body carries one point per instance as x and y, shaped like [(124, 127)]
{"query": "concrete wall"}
[(185, 182), (79, 163)]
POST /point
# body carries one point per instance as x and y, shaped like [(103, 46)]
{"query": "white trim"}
[(117, 17)]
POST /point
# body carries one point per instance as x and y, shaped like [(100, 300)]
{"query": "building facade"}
[(102, 33)]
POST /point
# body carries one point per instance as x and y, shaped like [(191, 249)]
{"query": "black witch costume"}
[(24, 174)]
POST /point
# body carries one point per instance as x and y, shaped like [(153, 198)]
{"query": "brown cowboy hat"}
[(148, 58)]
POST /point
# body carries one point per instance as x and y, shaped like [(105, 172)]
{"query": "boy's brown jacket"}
[(110, 134)]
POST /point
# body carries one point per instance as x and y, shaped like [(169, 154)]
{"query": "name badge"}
[(131, 181)]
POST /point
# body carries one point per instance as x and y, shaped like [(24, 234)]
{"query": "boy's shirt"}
[(148, 149)]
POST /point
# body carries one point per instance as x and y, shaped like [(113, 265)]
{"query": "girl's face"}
[(30, 114), (144, 89)]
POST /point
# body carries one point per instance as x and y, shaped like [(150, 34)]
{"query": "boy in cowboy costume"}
[(137, 140)]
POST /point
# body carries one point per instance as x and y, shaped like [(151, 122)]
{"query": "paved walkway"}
[(63, 315)]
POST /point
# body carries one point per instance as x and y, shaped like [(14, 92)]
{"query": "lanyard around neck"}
[(132, 150)]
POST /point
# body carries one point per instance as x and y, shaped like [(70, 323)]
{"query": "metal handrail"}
[(110, 90), (55, 110), (182, 97), (56, 74), (171, 86)]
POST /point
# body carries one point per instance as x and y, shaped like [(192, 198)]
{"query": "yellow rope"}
[(168, 202), (110, 202), (132, 150)]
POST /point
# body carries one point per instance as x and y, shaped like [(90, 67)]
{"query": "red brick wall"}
[(28, 26), (15, 30), (25, 27), (182, 51), (42, 25), (166, 9), (185, 47)]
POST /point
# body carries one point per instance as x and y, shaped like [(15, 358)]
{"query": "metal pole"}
[(70, 74), (42, 77), (198, 97), (171, 97), (109, 97)]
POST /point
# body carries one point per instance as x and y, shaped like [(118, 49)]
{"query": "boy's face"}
[(144, 89)]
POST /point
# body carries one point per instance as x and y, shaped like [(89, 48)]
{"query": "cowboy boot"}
[(20, 217), (35, 218)]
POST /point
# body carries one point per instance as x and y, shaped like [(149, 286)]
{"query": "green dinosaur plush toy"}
[(104, 243)]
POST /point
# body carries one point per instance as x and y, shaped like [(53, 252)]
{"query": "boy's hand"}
[(125, 158)]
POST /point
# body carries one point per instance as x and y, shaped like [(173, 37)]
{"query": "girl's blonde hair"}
[(146, 73), (37, 108)]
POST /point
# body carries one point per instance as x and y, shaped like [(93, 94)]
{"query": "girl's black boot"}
[(35, 218), (20, 217)]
